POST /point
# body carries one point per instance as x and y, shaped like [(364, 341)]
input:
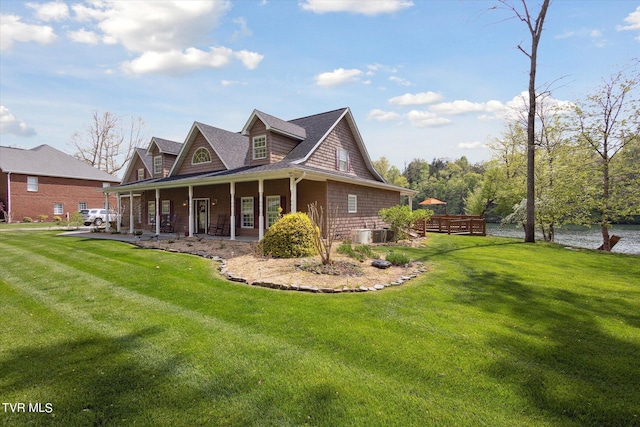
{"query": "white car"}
[(98, 216)]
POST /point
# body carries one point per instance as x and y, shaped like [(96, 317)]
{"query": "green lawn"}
[(498, 333)]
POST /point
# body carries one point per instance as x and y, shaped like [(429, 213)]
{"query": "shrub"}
[(27, 219), (366, 251), (400, 218), (360, 252), (57, 218), (43, 218), (292, 236), (397, 258), (76, 219)]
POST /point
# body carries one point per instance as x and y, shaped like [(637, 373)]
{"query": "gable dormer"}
[(139, 167), (163, 155), (270, 138)]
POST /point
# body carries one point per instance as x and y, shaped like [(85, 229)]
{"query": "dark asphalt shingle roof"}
[(166, 146), (280, 125), (232, 148), (47, 161)]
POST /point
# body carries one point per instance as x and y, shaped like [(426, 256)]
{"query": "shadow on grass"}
[(565, 353), (92, 381)]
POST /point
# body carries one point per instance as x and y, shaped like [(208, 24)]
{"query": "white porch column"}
[(157, 212), (293, 188), (119, 213), (107, 226), (410, 202), (191, 211), (260, 209), (131, 212), (232, 216)]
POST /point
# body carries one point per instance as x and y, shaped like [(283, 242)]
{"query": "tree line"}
[(587, 167)]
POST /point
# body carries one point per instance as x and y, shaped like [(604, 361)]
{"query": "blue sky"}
[(423, 79)]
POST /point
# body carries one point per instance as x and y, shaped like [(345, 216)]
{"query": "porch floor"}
[(149, 235)]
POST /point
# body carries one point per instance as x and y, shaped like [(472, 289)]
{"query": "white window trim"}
[(343, 153), (33, 185), (82, 205), (247, 212), (60, 211), (140, 174), (270, 213), (259, 138), (157, 166), (151, 212), (352, 203), (193, 162)]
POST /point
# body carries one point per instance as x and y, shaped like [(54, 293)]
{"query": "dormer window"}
[(259, 147), (343, 163), (157, 165), (201, 156)]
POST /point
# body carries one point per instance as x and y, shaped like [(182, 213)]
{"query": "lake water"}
[(590, 238)]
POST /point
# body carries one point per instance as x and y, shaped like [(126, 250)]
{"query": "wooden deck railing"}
[(453, 224)]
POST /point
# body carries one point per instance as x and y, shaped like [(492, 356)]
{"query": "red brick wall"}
[(340, 137), (69, 192)]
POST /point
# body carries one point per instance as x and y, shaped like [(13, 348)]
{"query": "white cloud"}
[(383, 116), (633, 21), (178, 62), (10, 125), (52, 11), (463, 107), (370, 8), (471, 145), (243, 31), (83, 36), (249, 59), (426, 119), (338, 77), (143, 26), (226, 83), (416, 99), (12, 30), (400, 81)]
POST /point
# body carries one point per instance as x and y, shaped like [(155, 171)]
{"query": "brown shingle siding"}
[(340, 137), (186, 167)]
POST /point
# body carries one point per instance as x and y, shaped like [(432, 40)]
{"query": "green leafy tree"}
[(608, 122), (400, 218)]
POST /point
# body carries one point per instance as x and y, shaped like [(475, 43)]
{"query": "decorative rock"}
[(294, 287), (362, 288), (405, 278), (326, 290), (372, 288), (380, 263), (378, 287)]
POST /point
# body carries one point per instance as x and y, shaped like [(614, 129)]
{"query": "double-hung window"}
[(82, 206), (342, 160), (58, 208), (247, 216), (32, 183), (259, 147), (151, 212), (140, 174), (273, 209), (157, 165)]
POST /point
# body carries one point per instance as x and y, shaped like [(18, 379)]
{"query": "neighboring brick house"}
[(246, 178), (45, 181)]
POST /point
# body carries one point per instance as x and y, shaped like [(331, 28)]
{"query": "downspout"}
[(293, 188), (8, 219)]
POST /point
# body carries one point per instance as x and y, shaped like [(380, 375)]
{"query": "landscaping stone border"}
[(222, 268)]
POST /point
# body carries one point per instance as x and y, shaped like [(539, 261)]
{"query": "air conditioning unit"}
[(361, 236)]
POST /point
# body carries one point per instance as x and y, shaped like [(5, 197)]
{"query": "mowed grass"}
[(497, 333)]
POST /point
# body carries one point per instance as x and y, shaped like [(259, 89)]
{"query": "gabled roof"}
[(275, 124), (165, 146), (318, 128), (147, 160), (47, 161), (231, 148)]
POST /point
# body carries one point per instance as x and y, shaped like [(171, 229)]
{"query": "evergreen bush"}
[(292, 236)]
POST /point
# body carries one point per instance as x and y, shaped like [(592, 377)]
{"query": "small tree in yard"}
[(323, 239), (400, 218)]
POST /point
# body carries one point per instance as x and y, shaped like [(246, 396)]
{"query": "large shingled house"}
[(237, 183)]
